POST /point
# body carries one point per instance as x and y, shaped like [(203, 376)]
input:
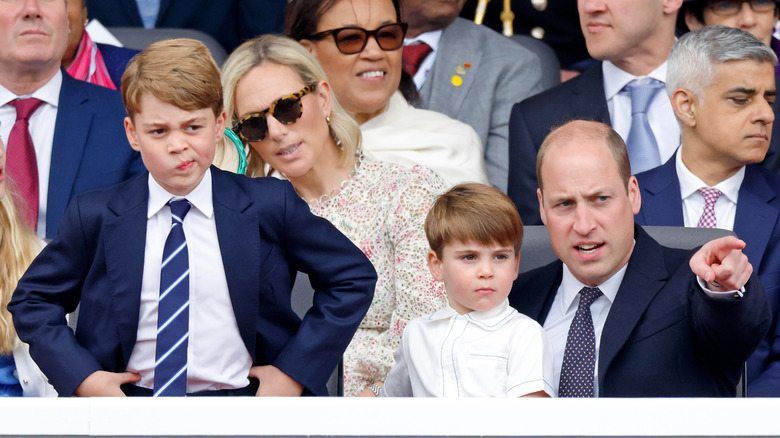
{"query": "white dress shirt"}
[(216, 355), (495, 353), (432, 39), (660, 114), (41, 126), (693, 201)]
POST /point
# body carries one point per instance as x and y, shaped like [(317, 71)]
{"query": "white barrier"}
[(286, 417)]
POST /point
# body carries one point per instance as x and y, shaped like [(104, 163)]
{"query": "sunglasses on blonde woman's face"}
[(351, 40), (286, 109)]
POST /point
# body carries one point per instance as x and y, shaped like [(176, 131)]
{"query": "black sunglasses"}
[(351, 40), (286, 109), (732, 7)]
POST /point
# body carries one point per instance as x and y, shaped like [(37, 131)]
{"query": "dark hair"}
[(300, 22), (696, 8)]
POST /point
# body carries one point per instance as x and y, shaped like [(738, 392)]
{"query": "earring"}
[(327, 119)]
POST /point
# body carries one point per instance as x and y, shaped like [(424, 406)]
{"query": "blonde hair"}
[(180, 72), (18, 247), (473, 212), (287, 52)]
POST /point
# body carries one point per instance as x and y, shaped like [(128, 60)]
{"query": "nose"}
[(177, 142), (32, 9), (765, 113), (372, 50), (746, 18), (590, 7), (276, 129), (583, 220), (485, 269)]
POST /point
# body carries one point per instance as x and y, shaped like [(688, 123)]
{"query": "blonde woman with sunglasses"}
[(280, 104), (358, 43)]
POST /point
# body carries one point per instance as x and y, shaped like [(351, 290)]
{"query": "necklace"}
[(313, 202)]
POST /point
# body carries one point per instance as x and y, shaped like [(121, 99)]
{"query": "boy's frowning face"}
[(176, 145), (477, 276)]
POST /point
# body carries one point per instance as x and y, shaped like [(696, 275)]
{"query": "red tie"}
[(414, 55), (21, 163)]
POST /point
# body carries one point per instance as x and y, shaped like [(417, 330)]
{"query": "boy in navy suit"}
[(184, 274)]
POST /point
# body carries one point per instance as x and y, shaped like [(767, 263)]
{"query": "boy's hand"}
[(105, 384), (274, 382)]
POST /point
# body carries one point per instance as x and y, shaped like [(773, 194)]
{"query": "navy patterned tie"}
[(579, 358), (173, 312)]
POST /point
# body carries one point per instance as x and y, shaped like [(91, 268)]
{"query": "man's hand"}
[(274, 382), (105, 384), (722, 264)]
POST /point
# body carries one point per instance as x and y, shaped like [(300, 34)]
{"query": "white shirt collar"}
[(615, 78), (49, 92), (489, 319), (571, 287), (430, 38), (200, 197), (690, 183)]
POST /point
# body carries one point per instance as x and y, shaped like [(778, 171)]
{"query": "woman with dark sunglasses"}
[(278, 101), (358, 43)]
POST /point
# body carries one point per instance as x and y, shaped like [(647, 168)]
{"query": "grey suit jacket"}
[(501, 73)]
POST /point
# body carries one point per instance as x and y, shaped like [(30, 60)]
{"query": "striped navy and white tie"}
[(173, 312)]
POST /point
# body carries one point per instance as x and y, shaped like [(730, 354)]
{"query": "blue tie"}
[(642, 146), (579, 357), (148, 9), (173, 312)]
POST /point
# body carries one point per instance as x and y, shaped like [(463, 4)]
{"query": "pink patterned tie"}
[(21, 162), (711, 196)]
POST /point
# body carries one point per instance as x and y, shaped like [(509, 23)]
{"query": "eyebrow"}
[(743, 90)]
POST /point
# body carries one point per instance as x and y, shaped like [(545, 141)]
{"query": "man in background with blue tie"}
[(626, 316), (722, 87)]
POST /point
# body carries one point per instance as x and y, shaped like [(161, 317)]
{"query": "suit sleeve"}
[(519, 80), (49, 290), (730, 329), (522, 164), (344, 281)]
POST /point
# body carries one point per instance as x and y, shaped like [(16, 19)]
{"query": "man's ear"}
[(132, 135), (541, 206), (434, 264), (672, 6), (684, 104)]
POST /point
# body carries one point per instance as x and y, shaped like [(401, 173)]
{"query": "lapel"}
[(755, 217), (124, 231), (533, 293), (74, 119), (165, 7), (238, 231), (645, 276), (588, 100), (661, 200), (453, 53)]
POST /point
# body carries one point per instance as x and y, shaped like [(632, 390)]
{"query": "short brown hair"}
[(575, 129), (473, 212), (180, 72)]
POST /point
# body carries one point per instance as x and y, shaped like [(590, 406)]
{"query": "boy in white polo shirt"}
[(477, 346)]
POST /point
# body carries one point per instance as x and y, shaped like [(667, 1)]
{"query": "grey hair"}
[(280, 50), (694, 56)]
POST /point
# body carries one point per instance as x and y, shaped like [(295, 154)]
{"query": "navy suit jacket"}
[(229, 21), (116, 59), (90, 148), (756, 222), (266, 234), (663, 337), (532, 119)]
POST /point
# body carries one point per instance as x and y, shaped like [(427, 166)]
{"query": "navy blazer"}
[(90, 148), (266, 234), (116, 59), (532, 119), (663, 337), (756, 222), (229, 21)]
